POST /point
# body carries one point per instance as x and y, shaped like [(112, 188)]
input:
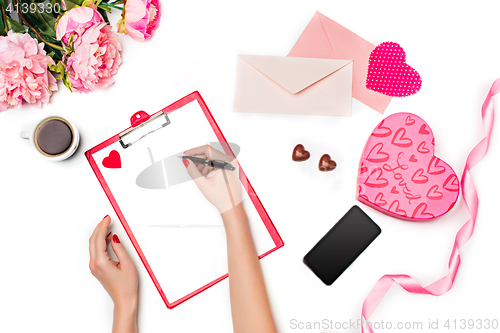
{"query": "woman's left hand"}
[(118, 278)]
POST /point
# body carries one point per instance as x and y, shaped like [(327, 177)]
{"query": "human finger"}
[(92, 240), (121, 252), (209, 152), (108, 238), (205, 170), (194, 173), (100, 237), (200, 166)]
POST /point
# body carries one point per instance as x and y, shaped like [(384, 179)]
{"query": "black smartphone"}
[(336, 251)]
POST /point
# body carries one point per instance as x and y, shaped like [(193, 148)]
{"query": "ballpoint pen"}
[(217, 164)]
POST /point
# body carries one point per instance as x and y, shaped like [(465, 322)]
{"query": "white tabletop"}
[(48, 210)]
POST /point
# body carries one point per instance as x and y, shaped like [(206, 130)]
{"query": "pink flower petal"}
[(24, 77)]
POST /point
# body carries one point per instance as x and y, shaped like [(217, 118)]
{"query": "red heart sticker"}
[(399, 174), (389, 74), (113, 161)]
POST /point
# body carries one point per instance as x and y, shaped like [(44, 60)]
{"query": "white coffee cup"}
[(32, 137)]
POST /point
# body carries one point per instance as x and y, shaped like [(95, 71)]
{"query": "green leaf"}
[(59, 68), (72, 3), (42, 22), (63, 74), (106, 8), (32, 34), (46, 23), (14, 25), (3, 18), (60, 6), (67, 83), (104, 15), (51, 39), (56, 54)]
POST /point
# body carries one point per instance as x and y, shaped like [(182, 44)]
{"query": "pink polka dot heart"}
[(389, 74)]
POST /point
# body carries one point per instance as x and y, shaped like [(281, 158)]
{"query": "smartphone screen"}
[(350, 236)]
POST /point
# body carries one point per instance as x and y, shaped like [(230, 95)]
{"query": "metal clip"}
[(130, 130)]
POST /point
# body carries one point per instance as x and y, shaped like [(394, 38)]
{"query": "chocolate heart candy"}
[(326, 163), (300, 154)]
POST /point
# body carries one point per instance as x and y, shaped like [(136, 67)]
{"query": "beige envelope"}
[(310, 86)]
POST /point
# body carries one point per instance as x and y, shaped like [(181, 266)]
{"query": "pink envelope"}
[(325, 38), (309, 86)]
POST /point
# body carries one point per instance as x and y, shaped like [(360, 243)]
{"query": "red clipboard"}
[(140, 119)]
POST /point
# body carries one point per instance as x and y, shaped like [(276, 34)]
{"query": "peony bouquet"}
[(42, 41)]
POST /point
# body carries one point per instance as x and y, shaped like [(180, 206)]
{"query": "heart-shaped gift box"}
[(399, 174)]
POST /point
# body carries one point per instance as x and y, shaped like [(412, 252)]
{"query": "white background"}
[(49, 210)]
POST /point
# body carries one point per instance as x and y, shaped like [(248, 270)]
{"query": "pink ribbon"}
[(469, 193)]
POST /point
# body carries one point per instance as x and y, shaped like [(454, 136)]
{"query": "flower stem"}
[(110, 5), (54, 46), (4, 19)]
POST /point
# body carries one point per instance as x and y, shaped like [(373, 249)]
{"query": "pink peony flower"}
[(77, 20), (139, 18), (23, 72), (95, 55)]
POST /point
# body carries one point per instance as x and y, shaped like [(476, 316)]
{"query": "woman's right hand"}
[(222, 188)]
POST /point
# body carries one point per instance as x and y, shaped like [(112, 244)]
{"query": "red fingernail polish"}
[(185, 161), (108, 234), (105, 217), (116, 239)]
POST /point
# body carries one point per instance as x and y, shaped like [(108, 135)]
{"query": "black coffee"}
[(53, 137)]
